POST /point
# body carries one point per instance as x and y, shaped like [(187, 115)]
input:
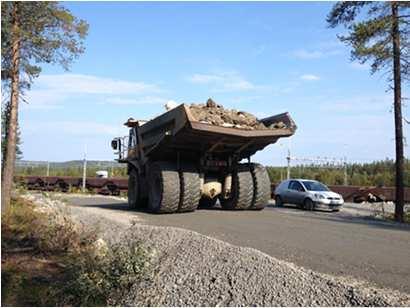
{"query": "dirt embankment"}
[(215, 114), (190, 269)]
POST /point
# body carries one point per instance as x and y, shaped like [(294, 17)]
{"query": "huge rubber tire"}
[(242, 190), (135, 198), (190, 189), (163, 188), (261, 187), (132, 189)]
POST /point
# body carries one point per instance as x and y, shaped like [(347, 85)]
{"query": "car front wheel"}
[(308, 205)]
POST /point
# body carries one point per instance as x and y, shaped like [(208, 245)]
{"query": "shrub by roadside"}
[(47, 260), (406, 217)]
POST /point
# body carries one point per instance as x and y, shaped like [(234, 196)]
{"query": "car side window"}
[(293, 185), (297, 186)]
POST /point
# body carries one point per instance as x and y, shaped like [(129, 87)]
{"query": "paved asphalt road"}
[(341, 244)]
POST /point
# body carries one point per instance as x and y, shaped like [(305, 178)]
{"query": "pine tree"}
[(378, 32), (31, 33), (5, 115)]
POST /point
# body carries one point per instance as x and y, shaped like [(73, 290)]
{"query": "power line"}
[(321, 162)]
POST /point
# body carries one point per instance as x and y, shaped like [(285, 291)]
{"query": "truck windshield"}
[(315, 186)]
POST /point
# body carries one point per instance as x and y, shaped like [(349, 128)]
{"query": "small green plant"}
[(406, 217), (19, 225), (67, 266), (98, 280)]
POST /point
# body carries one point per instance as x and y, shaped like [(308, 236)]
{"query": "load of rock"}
[(212, 113)]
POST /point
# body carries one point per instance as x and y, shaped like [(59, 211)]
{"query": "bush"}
[(19, 225), (66, 265), (92, 279)]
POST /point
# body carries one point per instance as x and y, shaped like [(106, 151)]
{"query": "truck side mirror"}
[(114, 144)]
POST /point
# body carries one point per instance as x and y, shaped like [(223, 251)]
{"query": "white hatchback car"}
[(308, 194)]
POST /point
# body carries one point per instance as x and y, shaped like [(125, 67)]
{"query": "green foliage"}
[(100, 280), (19, 225), (47, 32), (371, 39), (68, 171), (5, 111), (67, 267), (379, 173)]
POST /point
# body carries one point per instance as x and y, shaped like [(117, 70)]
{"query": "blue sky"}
[(264, 58)]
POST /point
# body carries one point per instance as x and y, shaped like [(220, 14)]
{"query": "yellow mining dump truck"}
[(177, 162)]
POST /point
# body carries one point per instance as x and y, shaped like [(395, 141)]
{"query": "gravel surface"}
[(190, 269), (377, 209), (197, 270)]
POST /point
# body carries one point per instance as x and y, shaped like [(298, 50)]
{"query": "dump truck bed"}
[(178, 132)]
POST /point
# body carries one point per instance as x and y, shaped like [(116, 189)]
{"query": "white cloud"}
[(314, 54), (224, 82), (42, 100), (89, 84), (205, 78), (310, 77), (145, 100), (50, 91), (75, 128)]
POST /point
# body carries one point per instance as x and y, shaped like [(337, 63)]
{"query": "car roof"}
[(303, 180)]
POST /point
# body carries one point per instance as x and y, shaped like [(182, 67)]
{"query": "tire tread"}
[(190, 189), (262, 187), (243, 192), (169, 182)]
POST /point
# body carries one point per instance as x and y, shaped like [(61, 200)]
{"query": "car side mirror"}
[(114, 144)]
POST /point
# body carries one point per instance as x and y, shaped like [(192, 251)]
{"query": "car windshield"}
[(315, 186)]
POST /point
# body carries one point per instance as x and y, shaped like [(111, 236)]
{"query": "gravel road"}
[(191, 269), (347, 243)]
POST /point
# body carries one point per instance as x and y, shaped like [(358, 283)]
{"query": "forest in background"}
[(378, 173)]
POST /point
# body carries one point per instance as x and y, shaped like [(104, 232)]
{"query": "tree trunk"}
[(8, 171), (398, 213)]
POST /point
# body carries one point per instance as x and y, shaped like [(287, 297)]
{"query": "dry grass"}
[(47, 260)]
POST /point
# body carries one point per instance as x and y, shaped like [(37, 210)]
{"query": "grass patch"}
[(47, 260), (406, 217)]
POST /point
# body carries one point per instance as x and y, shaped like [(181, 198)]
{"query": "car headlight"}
[(319, 196)]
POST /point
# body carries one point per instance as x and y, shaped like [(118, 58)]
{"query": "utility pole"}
[(288, 169), (84, 167), (48, 168), (345, 172)]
